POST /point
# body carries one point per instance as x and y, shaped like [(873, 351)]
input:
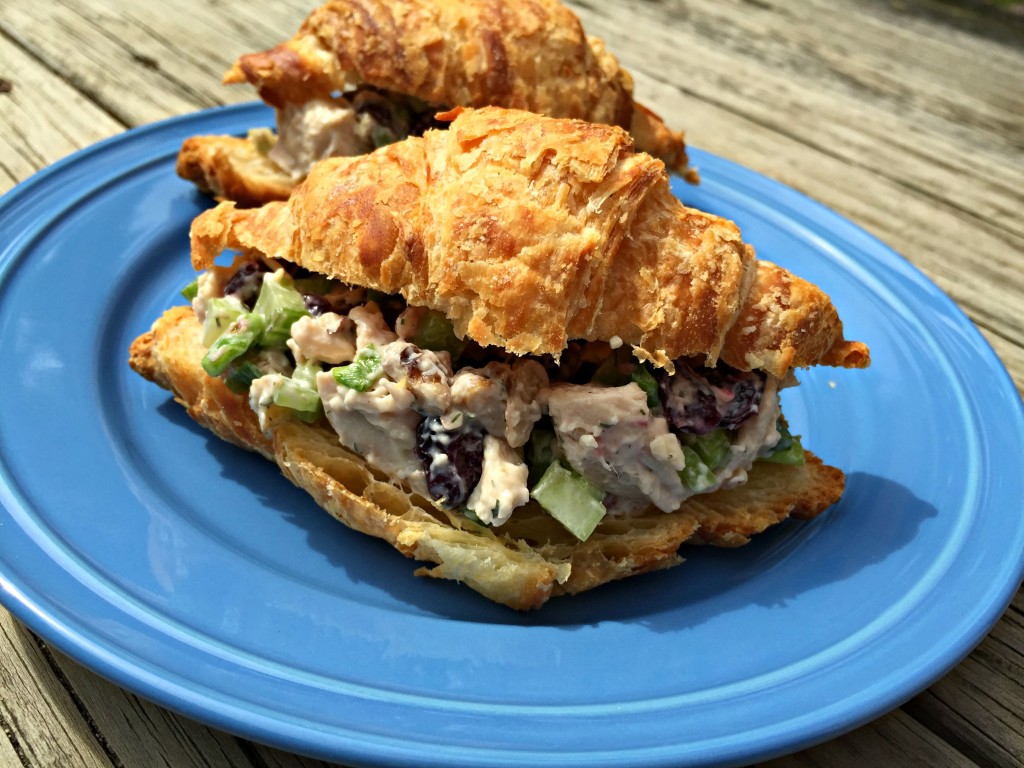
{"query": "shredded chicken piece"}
[(328, 337)]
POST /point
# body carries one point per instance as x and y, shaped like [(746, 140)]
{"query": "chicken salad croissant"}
[(362, 73), (507, 349)]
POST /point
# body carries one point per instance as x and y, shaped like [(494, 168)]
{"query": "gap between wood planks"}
[(76, 700), (14, 745)]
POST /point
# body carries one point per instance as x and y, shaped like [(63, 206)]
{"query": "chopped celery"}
[(297, 396), (471, 515), (788, 450), (785, 436), (191, 290), (695, 475), (240, 336), (435, 332), (300, 392), (570, 499), (712, 447), (280, 305), (305, 374), (362, 373), (221, 312), (794, 454), (241, 374), (644, 379)]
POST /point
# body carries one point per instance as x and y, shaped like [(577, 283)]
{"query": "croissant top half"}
[(528, 232), (531, 55)]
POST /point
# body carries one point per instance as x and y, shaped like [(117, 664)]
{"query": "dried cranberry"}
[(700, 400), (738, 393), (451, 479), (690, 405), (245, 284), (316, 304)]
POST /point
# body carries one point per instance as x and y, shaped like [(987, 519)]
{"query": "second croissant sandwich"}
[(362, 73), (507, 349)]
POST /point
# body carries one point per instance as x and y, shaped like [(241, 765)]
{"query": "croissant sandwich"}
[(363, 73), (508, 350)]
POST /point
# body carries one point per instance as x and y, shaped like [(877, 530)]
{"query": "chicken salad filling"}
[(475, 429), (353, 122)]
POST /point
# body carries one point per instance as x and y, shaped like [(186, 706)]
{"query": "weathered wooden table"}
[(905, 116)]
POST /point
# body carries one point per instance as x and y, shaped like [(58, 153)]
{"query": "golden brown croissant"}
[(231, 168), (533, 56), (528, 232), (533, 236)]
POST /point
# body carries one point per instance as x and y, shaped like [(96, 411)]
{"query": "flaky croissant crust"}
[(531, 55), (528, 232)]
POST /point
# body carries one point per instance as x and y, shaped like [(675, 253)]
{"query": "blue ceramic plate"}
[(195, 575)]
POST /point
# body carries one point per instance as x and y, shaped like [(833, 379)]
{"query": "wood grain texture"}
[(978, 706), (894, 740), (42, 118), (906, 117), (41, 719), (147, 61), (140, 733)]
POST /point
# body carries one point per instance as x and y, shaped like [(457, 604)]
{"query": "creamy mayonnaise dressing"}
[(379, 425), (209, 286), (502, 485)]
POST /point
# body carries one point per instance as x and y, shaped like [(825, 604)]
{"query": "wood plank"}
[(42, 118), (44, 725), (894, 740), (134, 730), (268, 757), (908, 122), (96, 62), (146, 61), (143, 733), (979, 706)]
